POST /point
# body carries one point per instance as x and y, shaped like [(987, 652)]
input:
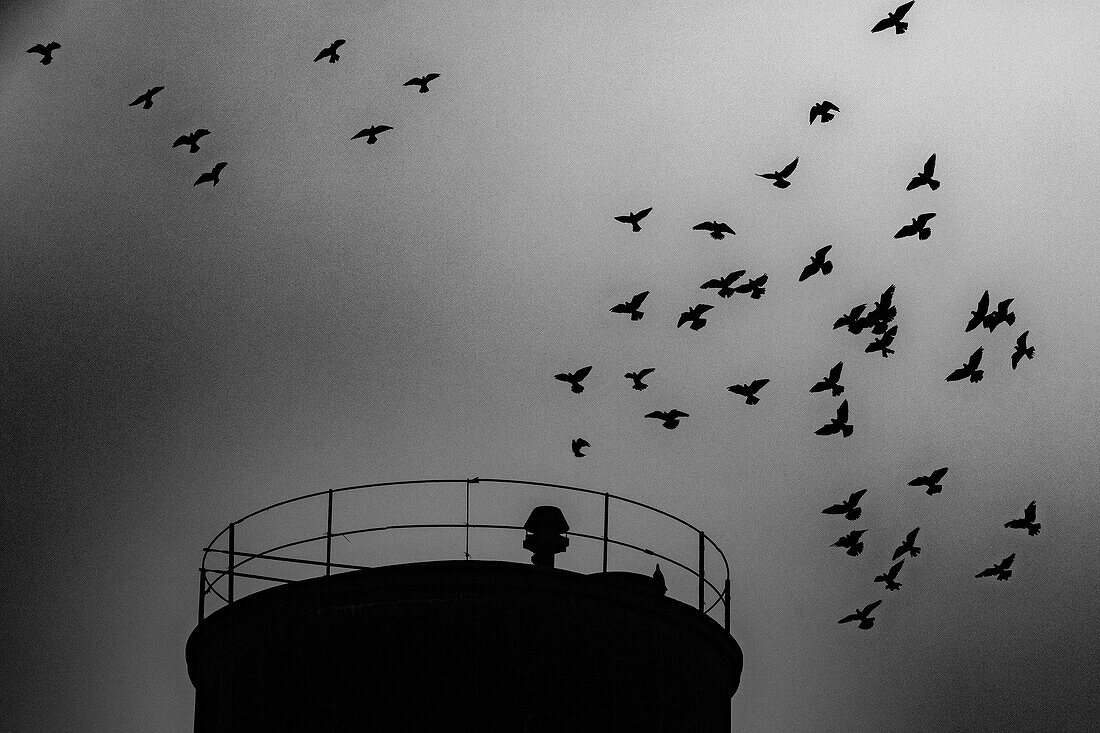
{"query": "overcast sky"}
[(335, 313)]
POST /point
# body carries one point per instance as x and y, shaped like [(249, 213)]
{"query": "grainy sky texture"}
[(335, 313)]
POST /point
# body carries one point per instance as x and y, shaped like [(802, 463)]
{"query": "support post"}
[(466, 553), (328, 537), (606, 501), (702, 550), (232, 558)]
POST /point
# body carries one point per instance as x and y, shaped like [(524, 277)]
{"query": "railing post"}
[(328, 537), (202, 594), (232, 559), (726, 593), (702, 550), (606, 501)]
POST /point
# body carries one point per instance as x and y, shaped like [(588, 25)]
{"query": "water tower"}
[(317, 632)]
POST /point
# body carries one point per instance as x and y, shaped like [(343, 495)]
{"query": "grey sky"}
[(335, 313)]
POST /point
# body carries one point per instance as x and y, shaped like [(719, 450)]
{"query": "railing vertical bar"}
[(232, 559), (702, 550), (202, 594), (726, 594), (606, 502), (328, 538)]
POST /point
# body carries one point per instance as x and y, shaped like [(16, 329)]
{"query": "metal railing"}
[(236, 557)]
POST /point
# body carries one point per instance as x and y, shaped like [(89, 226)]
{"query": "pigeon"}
[(1001, 569), (894, 19), (421, 81), (146, 100), (578, 444), (694, 315), (46, 51), (717, 229), (831, 382), (1022, 349), (574, 379), (890, 577), (192, 139), (848, 507), (918, 227), (882, 343), (969, 369), (659, 579), (212, 174), (907, 546), (333, 57), (853, 320), (1027, 522), (723, 283), (924, 178), (818, 263), (932, 481), (999, 316), (371, 133), (838, 424), (633, 218), (748, 391), (851, 541), (779, 178), (631, 306), (979, 314), (862, 615), (670, 419), (824, 110), (638, 376), (753, 286)]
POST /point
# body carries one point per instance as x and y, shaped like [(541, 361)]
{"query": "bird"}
[(969, 369), (748, 391), (753, 286), (633, 218), (831, 381), (838, 424), (638, 376), (659, 579), (694, 315), (848, 507), (924, 178), (192, 139), (890, 577), (882, 343), (578, 444), (999, 316), (46, 51), (979, 314), (779, 178), (894, 19), (717, 229), (918, 227), (146, 99), (421, 81), (333, 57), (932, 481), (851, 541), (818, 263), (853, 320), (862, 615), (723, 283), (574, 379), (212, 174), (883, 312), (1027, 522), (670, 419), (1022, 349), (1001, 569), (824, 110), (371, 133), (631, 306), (907, 546)]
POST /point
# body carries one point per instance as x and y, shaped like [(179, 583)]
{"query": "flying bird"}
[(1022, 349), (748, 391), (890, 577), (882, 343), (907, 546), (894, 19), (918, 226), (883, 312), (669, 419), (832, 381), (694, 315), (838, 424), (421, 81), (779, 178), (579, 444), (211, 175), (851, 541), (638, 376), (753, 286), (371, 133), (863, 615), (932, 481), (1001, 569), (853, 320), (633, 218), (723, 283), (824, 110), (924, 178), (574, 379), (333, 57), (717, 229), (1027, 522), (818, 263), (999, 316), (192, 139), (631, 306), (146, 99), (969, 369), (979, 314), (848, 507), (46, 51)]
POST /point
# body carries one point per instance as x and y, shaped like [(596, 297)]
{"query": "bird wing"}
[(641, 374), (218, 167), (988, 572), (906, 231), (882, 25), (895, 568), (820, 254), (921, 481), (707, 226), (912, 536), (827, 429), (789, 169), (827, 105), (201, 132), (624, 219), (870, 607), (324, 52), (835, 509), (741, 389), (725, 228), (381, 128), (960, 373), (814, 112), (769, 175), (429, 77), (834, 373), (923, 219), (659, 415), (930, 165), (808, 271), (38, 48), (415, 81), (849, 617), (139, 100), (983, 305), (842, 412), (565, 377), (1007, 562), (938, 475), (902, 10), (856, 496), (642, 214), (701, 308), (182, 140), (363, 133), (1029, 513), (154, 90), (757, 384), (975, 358), (685, 317), (1021, 340), (622, 308), (712, 283), (677, 413), (582, 443), (582, 373), (637, 299)]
